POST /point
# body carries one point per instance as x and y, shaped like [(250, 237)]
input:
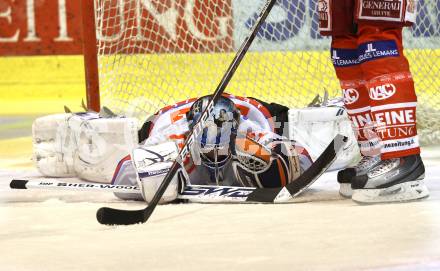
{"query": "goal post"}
[(90, 53), (141, 55)]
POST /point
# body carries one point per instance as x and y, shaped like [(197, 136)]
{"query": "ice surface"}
[(57, 230)]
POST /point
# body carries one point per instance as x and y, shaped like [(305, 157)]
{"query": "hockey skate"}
[(345, 176), (392, 180)]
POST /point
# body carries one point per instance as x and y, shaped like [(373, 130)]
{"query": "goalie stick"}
[(110, 216), (194, 193), (209, 193)]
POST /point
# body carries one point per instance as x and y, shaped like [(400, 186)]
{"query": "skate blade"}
[(404, 192), (345, 190)]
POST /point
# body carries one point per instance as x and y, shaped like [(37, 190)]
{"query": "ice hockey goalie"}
[(245, 143), (239, 146)]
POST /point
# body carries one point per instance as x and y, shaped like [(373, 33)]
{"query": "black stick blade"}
[(110, 216), (266, 195), (318, 167), (18, 184)]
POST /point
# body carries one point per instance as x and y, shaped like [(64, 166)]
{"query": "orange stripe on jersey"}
[(175, 136), (179, 139), (243, 109), (179, 114), (251, 147), (168, 107), (281, 171), (253, 102)]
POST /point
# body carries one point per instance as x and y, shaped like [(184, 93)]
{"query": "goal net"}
[(152, 53)]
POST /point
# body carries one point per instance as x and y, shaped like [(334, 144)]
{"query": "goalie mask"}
[(218, 136)]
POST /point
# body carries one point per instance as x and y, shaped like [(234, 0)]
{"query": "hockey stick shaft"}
[(195, 193), (111, 216), (51, 184)]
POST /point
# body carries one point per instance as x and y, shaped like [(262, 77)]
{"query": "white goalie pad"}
[(82, 145), (315, 127), (53, 151), (102, 143)]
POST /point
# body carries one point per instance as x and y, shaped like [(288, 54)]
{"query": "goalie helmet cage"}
[(141, 55)]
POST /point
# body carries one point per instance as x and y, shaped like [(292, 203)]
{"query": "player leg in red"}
[(356, 100), (337, 21), (367, 54), (393, 104)]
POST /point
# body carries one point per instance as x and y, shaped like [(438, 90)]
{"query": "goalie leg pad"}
[(83, 145), (53, 146), (102, 143), (125, 174), (314, 127)]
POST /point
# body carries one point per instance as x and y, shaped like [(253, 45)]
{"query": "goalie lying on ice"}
[(233, 149), (240, 145)]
